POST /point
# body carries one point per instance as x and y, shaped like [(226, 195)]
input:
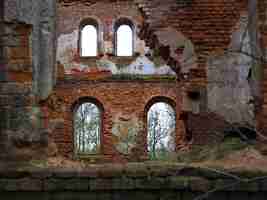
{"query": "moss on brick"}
[(143, 77)]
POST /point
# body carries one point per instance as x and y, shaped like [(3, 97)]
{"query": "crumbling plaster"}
[(68, 38), (225, 75), (229, 89)]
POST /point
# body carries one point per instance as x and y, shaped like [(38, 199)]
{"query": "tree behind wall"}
[(161, 129)]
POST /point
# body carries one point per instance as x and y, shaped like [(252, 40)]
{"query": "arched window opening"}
[(161, 125), (87, 129), (89, 41), (124, 38)]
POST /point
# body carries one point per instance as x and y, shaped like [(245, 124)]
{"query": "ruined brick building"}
[(203, 58)]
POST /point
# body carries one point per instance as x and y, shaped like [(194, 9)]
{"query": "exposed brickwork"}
[(70, 17), (18, 53), (208, 24), (21, 134), (119, 98), (205, 128)]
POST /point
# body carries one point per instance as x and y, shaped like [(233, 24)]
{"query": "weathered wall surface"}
[(207, 24), (216, 30), (234, 77), (228, 75), (228, 89), (205, 63), (195, 40), (122, 101), (28, 69), (40, 15), (69, 21)]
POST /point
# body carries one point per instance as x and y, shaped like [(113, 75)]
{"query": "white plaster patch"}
[(67, 48), (67, 52), (125, 131), (143, 66)]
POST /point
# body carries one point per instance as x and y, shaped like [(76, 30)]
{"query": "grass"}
[(38, 163), (216, 152)]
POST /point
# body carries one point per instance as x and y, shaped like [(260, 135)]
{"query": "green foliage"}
[(161, 126), (87, 129), (184, 3), (204, 153), (142, 77), (163, 155), (121, 65), (232, 144), (158, 61), (38, 163), (104, 63), (257, 71)]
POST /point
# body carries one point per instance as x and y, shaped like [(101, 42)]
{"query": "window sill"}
[(123, 59), (89, 57)]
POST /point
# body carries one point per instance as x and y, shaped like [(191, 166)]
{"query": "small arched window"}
[(124, 38), (87, 129), (89, 38), (161, 131)]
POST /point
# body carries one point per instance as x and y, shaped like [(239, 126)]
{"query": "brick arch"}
[(123, 20), (122, 99), (127, 20), (197, 23), (87, 99), (94, 21), (74, 108), (157, 99)]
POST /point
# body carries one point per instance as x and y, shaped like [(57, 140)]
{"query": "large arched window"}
[(124, 37), (161, 130), (87, 129), (89, 38)]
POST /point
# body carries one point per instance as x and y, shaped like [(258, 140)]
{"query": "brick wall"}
[(71, 16), (16, 94), (208, 24), (18, 53), (120, 99), (69, 21), (21, 41)]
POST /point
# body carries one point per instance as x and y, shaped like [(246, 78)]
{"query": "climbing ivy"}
[(184, 3)]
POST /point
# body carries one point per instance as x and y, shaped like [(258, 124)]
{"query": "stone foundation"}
[(132, 181)]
